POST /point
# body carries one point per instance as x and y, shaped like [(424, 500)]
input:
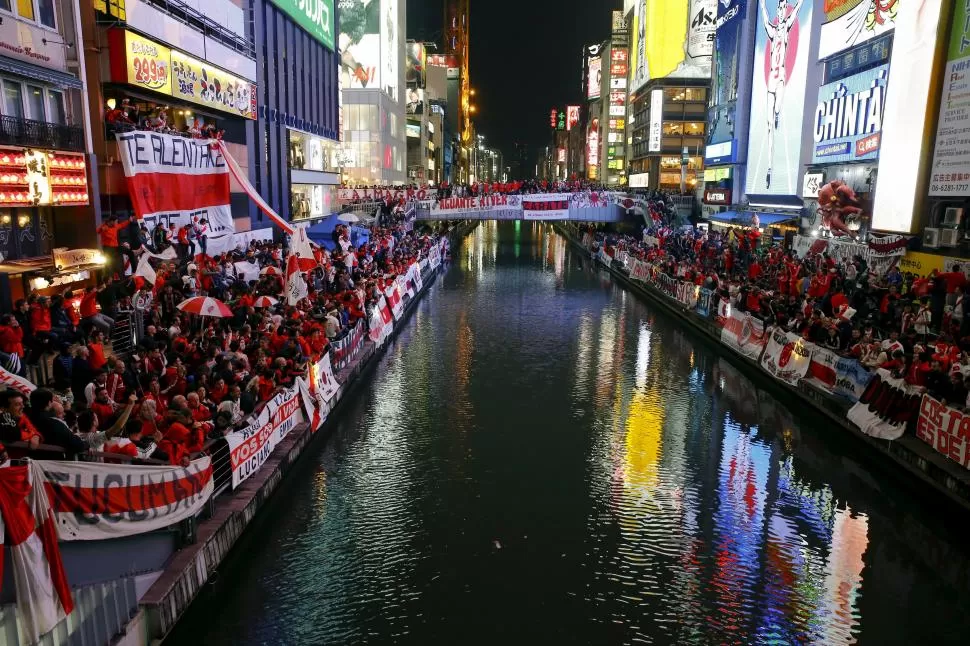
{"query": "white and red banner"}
[(640, 270), (18, 383), (393, 294), (946, 429), (824, 368), (381, 322), (250, 447), (547, 206), (375, 194), (744, 333), (296, 286), (404, 288), (787, 356), (345, 349), (486, 207), (322, 382), (93, 500), (885, 407), (413, 279), (243, 180), (28, 528), (176, 179), (434, 256)]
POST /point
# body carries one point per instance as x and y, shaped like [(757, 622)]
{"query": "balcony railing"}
[(40, 134)]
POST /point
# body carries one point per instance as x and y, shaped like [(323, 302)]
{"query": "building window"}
[(41, 11), (55, 107), (35, 103), (13, 100)]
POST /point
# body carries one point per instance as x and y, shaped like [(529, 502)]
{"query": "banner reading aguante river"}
[(176, 179), (92, 501)]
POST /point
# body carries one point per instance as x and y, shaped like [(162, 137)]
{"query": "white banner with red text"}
[(485, 207), (93, 501), (945, 429), (385, 194), (346, 348), (175, 179), (393, 295), (18, 383), (250, 447), (547, 206)]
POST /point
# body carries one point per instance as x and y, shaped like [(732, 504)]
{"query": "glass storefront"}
[(311, 201), (309, 152)]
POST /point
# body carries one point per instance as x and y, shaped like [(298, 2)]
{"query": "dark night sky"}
[(526, 58)]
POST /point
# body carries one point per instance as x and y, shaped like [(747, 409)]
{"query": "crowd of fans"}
[(915, 327), (189, 378)]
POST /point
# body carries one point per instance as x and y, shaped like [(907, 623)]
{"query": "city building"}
[(457, 29), (671, 47), (171, 66), (47, 214), (372, 72), (294, 153), (421, 128)]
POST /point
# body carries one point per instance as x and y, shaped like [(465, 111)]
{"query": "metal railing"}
[(206, 25), (40, 134)]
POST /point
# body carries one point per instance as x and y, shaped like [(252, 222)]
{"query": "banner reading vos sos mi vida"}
[(250, 447), (175, 179)]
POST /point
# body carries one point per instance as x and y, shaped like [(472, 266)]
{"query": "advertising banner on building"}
[(847, 23), (390, 45), (655, 136), (950, 176), (360, 44), (314, 16), (551, 206), (140, 61), (847, 125), (378, 194), (416, 72), (722, 145), (202, 83), (946, 429), (777, 98), (175, 179), (93, 501), (672, 39), (594, 78)]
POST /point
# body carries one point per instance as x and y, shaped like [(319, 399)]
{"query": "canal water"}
[(542, 458)]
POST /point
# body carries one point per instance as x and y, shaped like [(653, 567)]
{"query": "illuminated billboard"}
[(414, 101), (656, 120), (572, 116), (847, 125), (390, 46), (416, 72), (722, 143), (593, 149), (673, 39), (847, 23), (777, 98), (369, 45), (950, 176), (594, 78), (360, 43), (904, 116)]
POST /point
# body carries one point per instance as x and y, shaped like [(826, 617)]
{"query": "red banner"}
[(946, 429)]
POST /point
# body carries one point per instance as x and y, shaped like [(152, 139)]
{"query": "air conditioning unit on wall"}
[(952, 217), (931, 238), (949, 237)]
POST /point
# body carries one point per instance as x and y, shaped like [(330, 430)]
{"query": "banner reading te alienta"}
[(175, 179)]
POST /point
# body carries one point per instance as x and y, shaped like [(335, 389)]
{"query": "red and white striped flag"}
[(27, 525), (296, 287)]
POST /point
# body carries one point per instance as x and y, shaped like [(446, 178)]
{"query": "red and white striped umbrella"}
[(265, 301), (205, 306), (271, 271)]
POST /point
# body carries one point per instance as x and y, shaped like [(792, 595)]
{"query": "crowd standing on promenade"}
[(190, 378), (915, 327)]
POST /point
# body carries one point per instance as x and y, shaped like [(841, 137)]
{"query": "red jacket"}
[(40, 318), (89, 305), (12, 340)]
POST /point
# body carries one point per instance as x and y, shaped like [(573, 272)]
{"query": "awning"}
[(31, 71), (745, 218)]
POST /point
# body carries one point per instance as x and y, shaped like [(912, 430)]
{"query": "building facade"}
[(46, 187)]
